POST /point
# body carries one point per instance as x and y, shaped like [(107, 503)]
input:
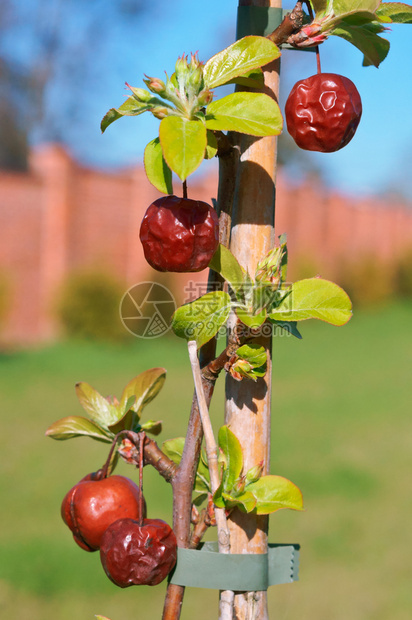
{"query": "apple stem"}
[(106, 466), (184, 189), (141, 459), (312, 17), (319, 70)]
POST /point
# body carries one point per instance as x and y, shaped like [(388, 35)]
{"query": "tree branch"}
[(292, 22)]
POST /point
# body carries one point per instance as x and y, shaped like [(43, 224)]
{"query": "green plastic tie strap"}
[(261, 21), (206, 568)]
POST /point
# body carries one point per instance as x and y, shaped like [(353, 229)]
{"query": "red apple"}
[(134, 554), (323, 112), (179, 234), (93, 504)]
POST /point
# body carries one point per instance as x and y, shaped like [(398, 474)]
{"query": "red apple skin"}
[(93, 504), (179, 234), (133, 554), (323, 112)]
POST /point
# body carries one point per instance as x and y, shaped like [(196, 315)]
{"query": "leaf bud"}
[(239, 486), (211, 510), (254, 473), (240, 369), (194, 518), (268, 269)]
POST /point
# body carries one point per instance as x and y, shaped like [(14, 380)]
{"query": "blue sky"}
[(378, 155)]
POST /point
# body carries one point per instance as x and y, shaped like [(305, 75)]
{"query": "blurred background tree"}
[(49, 51)]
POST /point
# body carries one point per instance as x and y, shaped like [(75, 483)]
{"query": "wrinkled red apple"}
[(134, 554), (93, 504), (323, 112), (179, 234)]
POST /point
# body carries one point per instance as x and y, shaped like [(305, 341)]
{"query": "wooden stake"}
[(247, 403)]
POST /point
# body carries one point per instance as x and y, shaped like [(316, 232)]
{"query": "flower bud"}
[(195, 80), (140, 94), (182, 69), (160, 112), (156, 85), (204, 98)]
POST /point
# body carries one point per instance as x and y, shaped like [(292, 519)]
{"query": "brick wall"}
[(62, 217)]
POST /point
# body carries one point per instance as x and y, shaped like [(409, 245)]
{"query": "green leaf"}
[(218, 498), (173, 448), (246, 501), (202, 481), (396, 12), (288, 326), (224, 263), (157, 170), (131, 107), (255, 114), (284, 262), (343, 7), (251, 362), (144, 387), (251, 320), (199, 499), (265, 296), (253, 79), (237, 59), (314, 298), (76, 426), (319, 6), (183, 143), (273, 493), (201, 319), (374, 48), (127, 422), (256, 355), (152, 427), (96, 405), (211, 148), (231, 448)]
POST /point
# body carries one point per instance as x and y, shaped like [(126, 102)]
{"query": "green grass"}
[(342, 431)]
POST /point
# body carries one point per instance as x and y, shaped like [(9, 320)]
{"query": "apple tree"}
[(221, 477)]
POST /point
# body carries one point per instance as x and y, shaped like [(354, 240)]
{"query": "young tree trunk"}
[(248, 403)]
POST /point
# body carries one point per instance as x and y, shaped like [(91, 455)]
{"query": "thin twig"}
[(200, 528), (227, 596)]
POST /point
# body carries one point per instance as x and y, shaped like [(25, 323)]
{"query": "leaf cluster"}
[(189, 116), (248, 491), (266, 297), (361, 22), (108, 416)]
